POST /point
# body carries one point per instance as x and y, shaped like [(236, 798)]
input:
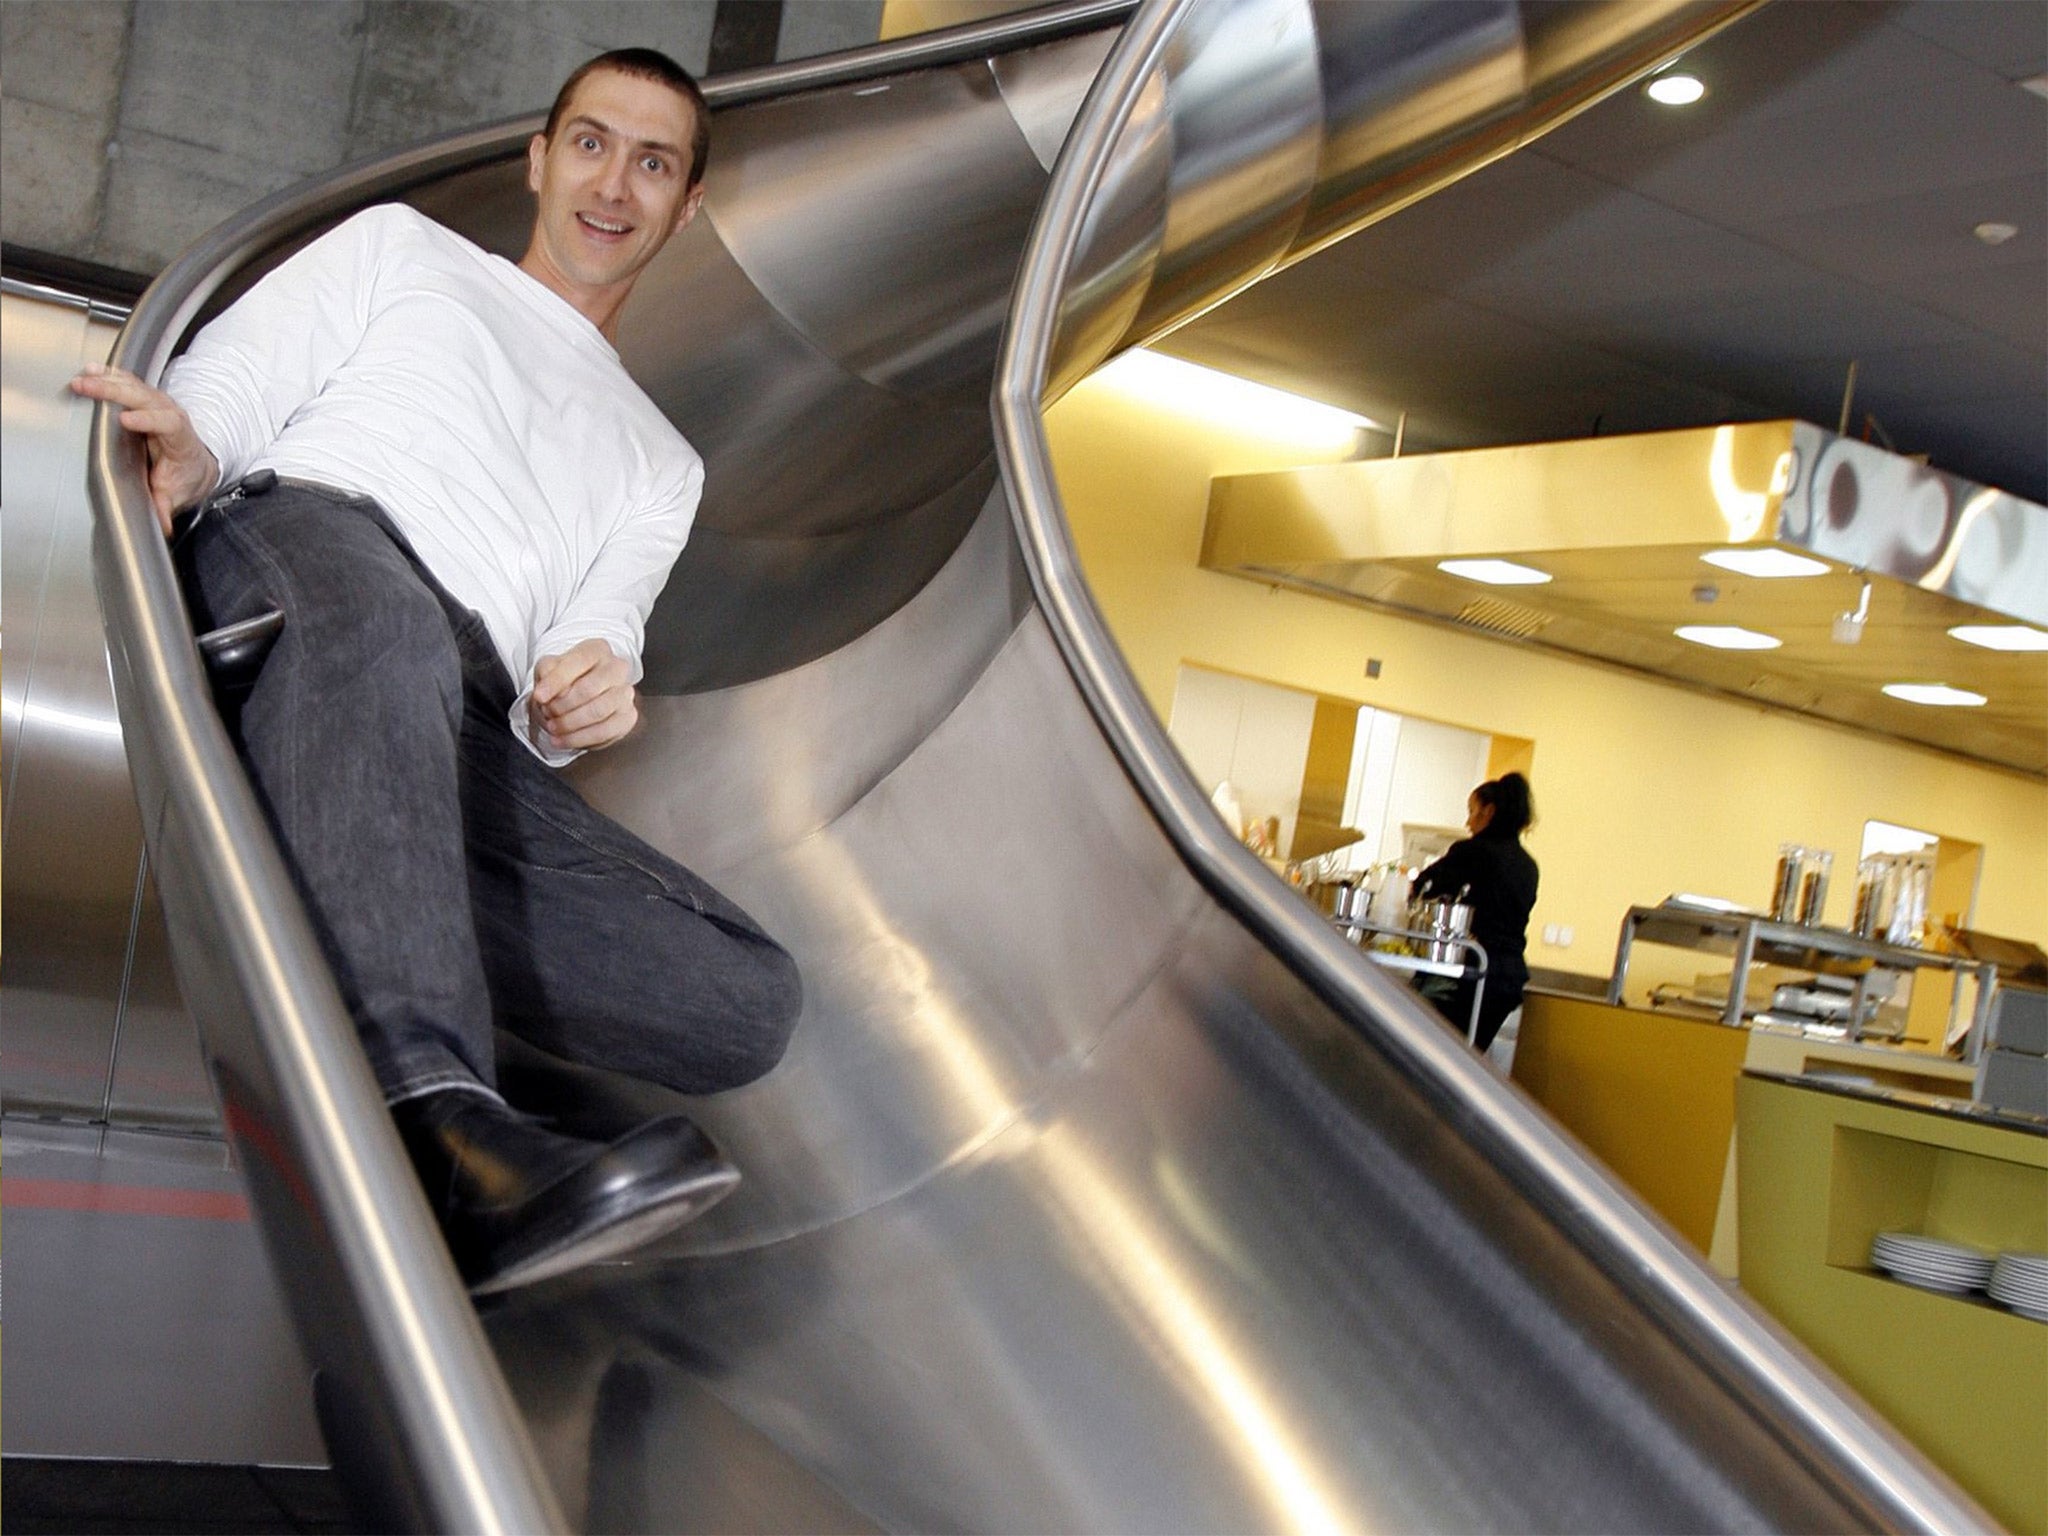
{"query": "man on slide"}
[(431, 459)]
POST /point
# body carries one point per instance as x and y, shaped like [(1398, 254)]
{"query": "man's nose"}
[(614, 181)]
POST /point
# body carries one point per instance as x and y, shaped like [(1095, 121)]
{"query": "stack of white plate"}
[(1930, 1263), (2020, 1280)]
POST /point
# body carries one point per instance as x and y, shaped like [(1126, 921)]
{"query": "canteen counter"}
[(1783, 1136)]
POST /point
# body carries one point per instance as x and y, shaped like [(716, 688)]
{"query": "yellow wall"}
[(1642, 789), (906, 18)]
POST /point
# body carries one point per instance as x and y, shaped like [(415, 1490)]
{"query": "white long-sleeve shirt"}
[(491, 421)]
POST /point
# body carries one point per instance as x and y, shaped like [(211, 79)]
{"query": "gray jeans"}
[(455, 882)]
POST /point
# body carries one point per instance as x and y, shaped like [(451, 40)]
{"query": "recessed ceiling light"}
[(1727, 637), (2002, 637), (1935, 693), (1769, 563), (1675, 90), (1495, 573), (1995, 231)]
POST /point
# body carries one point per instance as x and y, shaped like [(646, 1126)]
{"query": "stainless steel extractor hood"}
[(1622, 526)]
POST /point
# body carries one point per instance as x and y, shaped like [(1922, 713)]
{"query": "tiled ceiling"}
[(1647, 267)]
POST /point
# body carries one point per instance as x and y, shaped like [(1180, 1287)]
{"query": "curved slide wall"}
[(1083, 1200)]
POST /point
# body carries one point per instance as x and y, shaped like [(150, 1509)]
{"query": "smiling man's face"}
[(613, 185)]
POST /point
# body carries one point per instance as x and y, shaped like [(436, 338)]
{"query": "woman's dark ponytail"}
[(1514, 807)]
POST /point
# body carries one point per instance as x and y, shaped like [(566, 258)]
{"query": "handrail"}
[(417, 1414), (1755, 1359), (98, 309)]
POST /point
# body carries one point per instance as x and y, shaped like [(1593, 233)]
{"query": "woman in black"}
[(1499, 881)]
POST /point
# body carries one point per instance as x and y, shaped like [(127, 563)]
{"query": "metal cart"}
[(1419, 965)]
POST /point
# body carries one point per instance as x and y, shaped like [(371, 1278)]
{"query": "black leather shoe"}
[(519, 1203)]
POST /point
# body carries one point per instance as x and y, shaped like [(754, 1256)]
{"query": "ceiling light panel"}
[(1940, 695), (1495, 573), (1727, 637), (2002, 637), (1767, 562)]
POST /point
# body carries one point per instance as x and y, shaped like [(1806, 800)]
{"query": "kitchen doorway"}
[(1332, 776)]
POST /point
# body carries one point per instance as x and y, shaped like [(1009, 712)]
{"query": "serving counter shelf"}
[(1823, 1169), (1749, 939)]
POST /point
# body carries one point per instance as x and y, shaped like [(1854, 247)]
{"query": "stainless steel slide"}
[(1104, 1189)]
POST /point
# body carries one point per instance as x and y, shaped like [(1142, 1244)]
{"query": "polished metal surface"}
[(1104, 1187), (1043, 88), (143, 1322), (1862, 507), (1474, 81), (1158, 1225), (1398, 100), (843, 290), (158, 1080), (1244, 99), (79, 1015), (1861, 1459)]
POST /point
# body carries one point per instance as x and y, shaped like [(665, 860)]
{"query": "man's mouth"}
[(601, 226)]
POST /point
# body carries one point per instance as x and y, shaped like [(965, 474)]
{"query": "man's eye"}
[(587, 141), (654, 165)]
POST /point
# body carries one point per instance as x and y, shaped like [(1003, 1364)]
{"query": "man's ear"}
[(536, 156), (691, 203)]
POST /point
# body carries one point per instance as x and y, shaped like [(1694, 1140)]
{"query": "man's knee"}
[(778, 1001), (736, 1002)]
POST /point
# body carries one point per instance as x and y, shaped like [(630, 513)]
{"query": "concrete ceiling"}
[(1649, 267)]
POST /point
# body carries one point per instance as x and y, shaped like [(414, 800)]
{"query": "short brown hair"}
[(645, 64)]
